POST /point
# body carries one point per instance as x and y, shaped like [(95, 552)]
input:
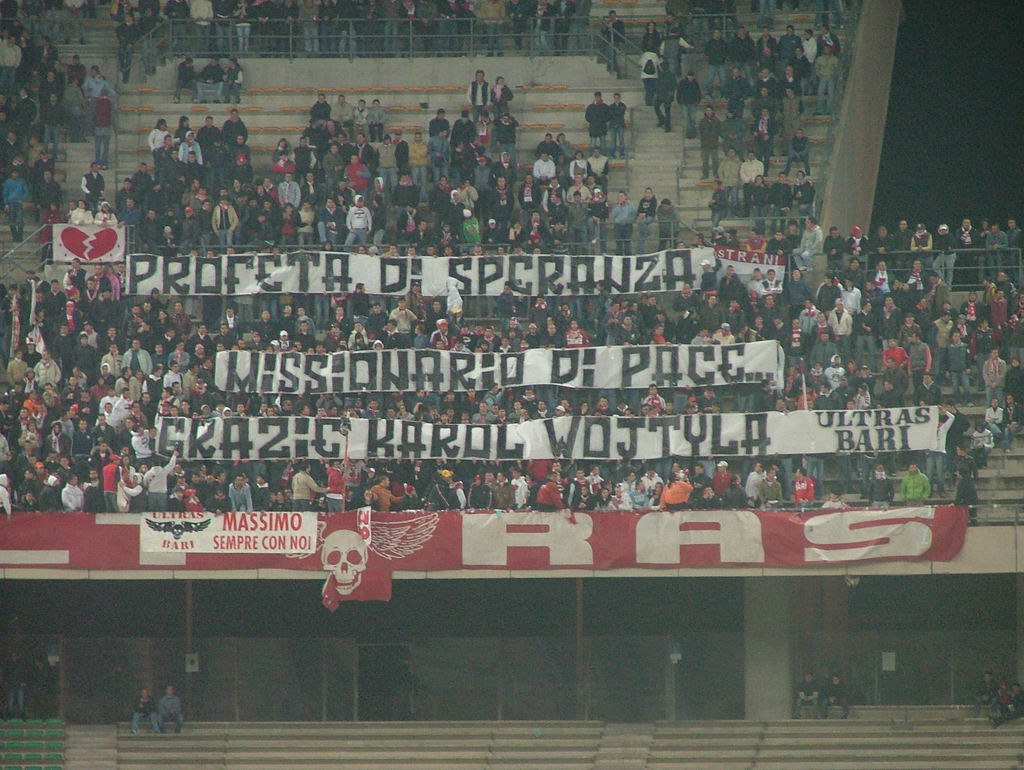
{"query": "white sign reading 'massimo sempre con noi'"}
[(233, 532)]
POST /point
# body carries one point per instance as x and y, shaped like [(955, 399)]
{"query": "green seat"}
[(55, 721), (8, 757), (33, 758), (36, 734), (12, 733), (31, 767), (54, 746), (35, 721), (36, 745), (53, 757), (14, 745), (54, 735), (53, 767)]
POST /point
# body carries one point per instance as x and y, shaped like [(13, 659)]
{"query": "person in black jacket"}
[(664, 92), (617, 127), (480, 496), (597, 117), (967, 494), (145, 709), (834, 694), (880, 491), (688, 96)]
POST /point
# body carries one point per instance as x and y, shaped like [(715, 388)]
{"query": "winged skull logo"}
[(178, 528), (344, 552)]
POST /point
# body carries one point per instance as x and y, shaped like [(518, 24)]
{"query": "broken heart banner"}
[(416, 543), (441, 371), (89, 243), (757, 434)]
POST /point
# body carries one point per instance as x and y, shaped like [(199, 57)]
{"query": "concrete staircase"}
[(90, 747), (419, 745), (668, 162), (874, 738), (861, 744)]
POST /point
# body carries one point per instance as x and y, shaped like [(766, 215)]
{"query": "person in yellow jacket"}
[(304, 488), (676, 495)]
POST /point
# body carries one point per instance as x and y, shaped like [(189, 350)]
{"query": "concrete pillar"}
[(1020, 627), (767, 635)]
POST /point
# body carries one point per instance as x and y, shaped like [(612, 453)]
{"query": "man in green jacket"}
[(915, 487)]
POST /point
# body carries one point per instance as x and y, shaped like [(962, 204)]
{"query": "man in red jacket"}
[(111, 475), (722, 478), (549, 498), (803, 488)]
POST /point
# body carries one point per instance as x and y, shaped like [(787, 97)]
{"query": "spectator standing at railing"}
[(492, 15), (613, 32)]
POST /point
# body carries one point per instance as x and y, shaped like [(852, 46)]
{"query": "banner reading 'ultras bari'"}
[(592, 438), (324, 271), (670, 366)]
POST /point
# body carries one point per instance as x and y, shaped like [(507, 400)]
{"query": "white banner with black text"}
[(332, 272), (596, 438), (670, 366)]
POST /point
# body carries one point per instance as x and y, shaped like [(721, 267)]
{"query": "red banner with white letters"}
[(357, 567)]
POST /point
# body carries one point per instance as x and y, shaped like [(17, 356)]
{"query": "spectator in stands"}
[(304, 488), (145, 708), (834, 694), (17, 675), (710, 133), (169, 709), (915, 488), (1010, 703), (807, 693), (985, 695)]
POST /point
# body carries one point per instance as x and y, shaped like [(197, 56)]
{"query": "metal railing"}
[(15, 253), (375, 38), (960, 269)]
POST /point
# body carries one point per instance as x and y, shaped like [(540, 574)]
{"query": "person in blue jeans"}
[(145, 709), (15, 675), (15, 194), (169, 710), (617, 127)]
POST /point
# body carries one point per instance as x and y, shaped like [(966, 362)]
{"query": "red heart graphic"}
[(89, 247)]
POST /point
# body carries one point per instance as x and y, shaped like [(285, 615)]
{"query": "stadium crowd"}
[(90, 369), (98, 367)]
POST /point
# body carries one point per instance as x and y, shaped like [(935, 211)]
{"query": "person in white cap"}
[(724, 335), (945, 257), (359, 222)]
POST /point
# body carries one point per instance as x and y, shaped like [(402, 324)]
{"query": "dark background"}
[(954, 142)]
